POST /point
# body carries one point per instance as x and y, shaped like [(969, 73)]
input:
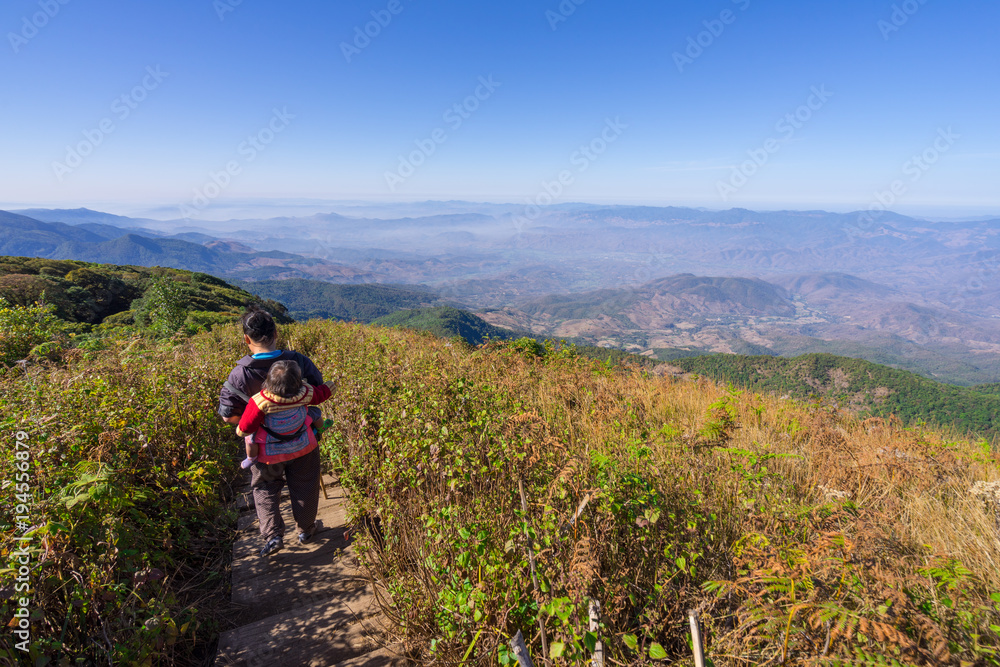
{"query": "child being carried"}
[(277, 418)]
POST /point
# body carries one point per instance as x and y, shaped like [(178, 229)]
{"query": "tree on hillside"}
[(161, 310)]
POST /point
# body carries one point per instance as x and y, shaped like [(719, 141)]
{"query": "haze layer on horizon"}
[(262, 209), (191, 105)]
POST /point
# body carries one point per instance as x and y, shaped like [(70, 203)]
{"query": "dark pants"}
[(302, 475)]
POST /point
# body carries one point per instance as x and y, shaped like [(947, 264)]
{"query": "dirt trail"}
[(306, 604)]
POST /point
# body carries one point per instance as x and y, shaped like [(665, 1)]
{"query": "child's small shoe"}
[(320, 427), (247, 462)]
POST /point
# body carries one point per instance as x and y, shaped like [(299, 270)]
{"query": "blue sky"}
[(201, 77)]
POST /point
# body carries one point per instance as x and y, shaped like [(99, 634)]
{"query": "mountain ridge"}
[(887, 285), (98, 242)]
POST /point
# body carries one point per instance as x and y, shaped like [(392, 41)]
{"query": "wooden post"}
[(520, 650), (595, 620), (699, 649), (579, 510), (531, 562)]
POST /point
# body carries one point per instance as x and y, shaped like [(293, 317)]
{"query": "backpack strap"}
[(233, 390), (281, 437)]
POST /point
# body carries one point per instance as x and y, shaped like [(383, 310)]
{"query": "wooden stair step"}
[(318, 635), (390, 656), (307, 604)]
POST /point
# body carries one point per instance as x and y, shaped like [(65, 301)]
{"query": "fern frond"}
[(861, 658)]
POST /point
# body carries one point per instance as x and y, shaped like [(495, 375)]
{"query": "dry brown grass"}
[(747, 486)]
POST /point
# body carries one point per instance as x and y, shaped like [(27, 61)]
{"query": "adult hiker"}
[(268, 475)]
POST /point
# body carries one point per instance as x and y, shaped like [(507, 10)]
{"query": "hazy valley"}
[(884, 287)]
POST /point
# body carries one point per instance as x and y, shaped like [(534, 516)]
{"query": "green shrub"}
[(129, 533), (27, 328)]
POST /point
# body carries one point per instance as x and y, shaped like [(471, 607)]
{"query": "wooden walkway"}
[(306, 604)]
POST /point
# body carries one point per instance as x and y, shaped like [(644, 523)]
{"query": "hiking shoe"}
[(273, 545), (307, 535)]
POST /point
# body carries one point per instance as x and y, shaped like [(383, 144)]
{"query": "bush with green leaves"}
[(129, 526), (27, 331)]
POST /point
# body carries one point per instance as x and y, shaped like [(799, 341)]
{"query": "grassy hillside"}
[(799, 533), (92, 293), (865, 388), (868, 388), (447, 322), (308, 299), (685, 496)]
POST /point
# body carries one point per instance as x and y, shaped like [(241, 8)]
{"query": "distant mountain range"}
[(82, 216), (590, 247), (99, 242), (833, 313), (917, 294), (679, 296), (482, 253)]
